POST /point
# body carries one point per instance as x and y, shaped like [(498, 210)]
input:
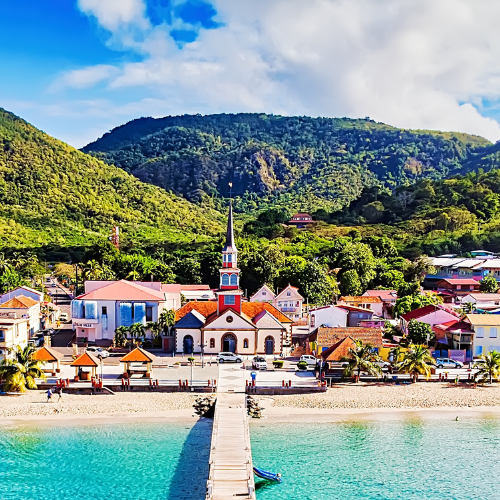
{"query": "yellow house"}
[(485, 338)]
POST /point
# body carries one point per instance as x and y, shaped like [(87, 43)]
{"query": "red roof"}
[(138, 355), (250, 309), (338, 350), (455, 326), (47, 355), (424, 311), (124, 290), (383, 294), (460, 281), (20, 302), (86, 359), (330, 336)]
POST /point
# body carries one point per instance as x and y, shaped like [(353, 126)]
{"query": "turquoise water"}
[(105, 462), (411, 460)]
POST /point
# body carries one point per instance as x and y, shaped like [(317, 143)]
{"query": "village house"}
[(300, 220), (486, 333), (458, 336), (22, 290), (339, 315), (24, 307), (323, 338), (365, 302), (431, 314), (458, 287), (388, 298), (230, 324), (107, 305), (288, 301), (14, 328), (483, 301)]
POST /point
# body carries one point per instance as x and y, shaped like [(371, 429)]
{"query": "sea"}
[(410, 458)]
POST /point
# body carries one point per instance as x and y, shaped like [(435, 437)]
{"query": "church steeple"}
[(229, 296)]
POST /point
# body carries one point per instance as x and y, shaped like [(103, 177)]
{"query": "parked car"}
[(259, 363), (228, 357), (98, 351), (448, 363), (63, 316), (384, 365), (309, 359)]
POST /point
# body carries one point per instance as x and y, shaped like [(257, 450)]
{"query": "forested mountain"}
[(51, 193), (294, 162)]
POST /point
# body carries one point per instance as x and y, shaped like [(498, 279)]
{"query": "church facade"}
[(230, 324)]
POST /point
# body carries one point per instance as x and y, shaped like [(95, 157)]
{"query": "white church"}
[(230, 324)]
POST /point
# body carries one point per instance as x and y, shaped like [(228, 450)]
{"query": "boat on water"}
[(270, 476)]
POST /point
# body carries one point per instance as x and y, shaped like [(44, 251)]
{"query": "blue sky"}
[(77, 68)]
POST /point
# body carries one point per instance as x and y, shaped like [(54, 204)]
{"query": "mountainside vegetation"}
[(53, 194), (298, 163)]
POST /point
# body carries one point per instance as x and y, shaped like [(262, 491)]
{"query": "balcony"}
[(288, 309)]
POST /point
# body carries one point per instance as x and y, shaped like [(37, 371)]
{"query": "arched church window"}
[(245, 343), (225, 280), (212, 343), (233, 279), (229, 258)]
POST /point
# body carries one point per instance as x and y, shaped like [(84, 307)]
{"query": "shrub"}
[(278, 363)]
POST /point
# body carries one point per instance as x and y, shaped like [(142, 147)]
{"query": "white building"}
[(22, 290), (24, 307), (289, 302), (229, 324), (264, 294), (106, 305), (486, 301), (13, 332)]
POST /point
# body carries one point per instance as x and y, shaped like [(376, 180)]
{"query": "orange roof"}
[(20, 302), (325, 336), (338, 350), (366, 300), (250, 309), (86, 359), (47, 355), (124, 290), (138, 355)]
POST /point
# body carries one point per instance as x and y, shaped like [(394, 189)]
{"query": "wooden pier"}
[(231, 468)]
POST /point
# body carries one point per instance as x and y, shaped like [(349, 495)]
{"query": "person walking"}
[(49, 395), (59, 393)]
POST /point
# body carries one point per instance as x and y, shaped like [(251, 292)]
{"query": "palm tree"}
[(167, 320), (396, 354), (19, 372), (121, 335), (416, 360), (137, 332), (488, 367), (362, 358)]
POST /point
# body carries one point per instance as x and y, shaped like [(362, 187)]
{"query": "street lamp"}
[(202, 345)]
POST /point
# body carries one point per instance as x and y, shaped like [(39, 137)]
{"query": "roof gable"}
[(20, 302), (193, 319), (124, 290), (293, 290), (47, 355), (424, 311), (239, 321), (266, 320), (266, 289), (138, 355), (338, 350), (86, 359)]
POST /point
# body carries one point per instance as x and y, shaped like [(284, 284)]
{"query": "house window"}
[(493, 333), (212, 343), (229, 300), (479, 332), (229, 319), (313, 319), (104, 311), (245, 343), (478, 351), (225, 280), (288, 294), (229, 258), (2, 334), (233, 280), (494, 348), (149, 313), (264, 293)]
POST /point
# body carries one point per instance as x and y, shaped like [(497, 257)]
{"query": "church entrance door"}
[(229, 343), (188, 344), (269, 345)]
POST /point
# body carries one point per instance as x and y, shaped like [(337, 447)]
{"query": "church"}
[(230, 324)]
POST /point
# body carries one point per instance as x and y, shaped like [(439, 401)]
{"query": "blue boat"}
[(270, 476)]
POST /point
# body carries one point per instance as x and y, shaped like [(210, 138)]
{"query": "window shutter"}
[(140, 313), (90, 309), (125, 314), (77, 309)]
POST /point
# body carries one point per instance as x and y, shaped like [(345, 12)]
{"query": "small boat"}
[(270, 476)]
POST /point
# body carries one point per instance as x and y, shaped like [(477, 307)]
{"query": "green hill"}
[(53, 194), (275, 161)]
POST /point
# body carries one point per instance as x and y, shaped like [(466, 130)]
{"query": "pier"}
[(231, 468)]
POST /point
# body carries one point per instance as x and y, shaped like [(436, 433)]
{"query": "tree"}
[(392, 280), (350, 283), (488, 285), (19, 372), (138, 332), (359, 257), (121, 336), (419, 332), (360, 358), (416, 360), (488, 368), (166, 320), (412, 302)]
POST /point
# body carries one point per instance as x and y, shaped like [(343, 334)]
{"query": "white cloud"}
[(87, 77), (414, 64), (113, 14)]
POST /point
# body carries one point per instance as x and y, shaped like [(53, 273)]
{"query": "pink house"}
[(432, 315)]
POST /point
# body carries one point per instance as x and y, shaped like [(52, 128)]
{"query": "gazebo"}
[(85, 360), (48, 355), (138, 361)]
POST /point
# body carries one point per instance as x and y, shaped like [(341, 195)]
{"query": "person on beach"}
[(49, 395), (59, 393)]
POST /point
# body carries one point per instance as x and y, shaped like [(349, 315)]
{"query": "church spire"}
[(230, 246)]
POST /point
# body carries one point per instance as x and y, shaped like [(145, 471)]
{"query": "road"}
[(61, 299)]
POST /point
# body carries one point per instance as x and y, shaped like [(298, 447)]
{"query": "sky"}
[(78, 68)]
